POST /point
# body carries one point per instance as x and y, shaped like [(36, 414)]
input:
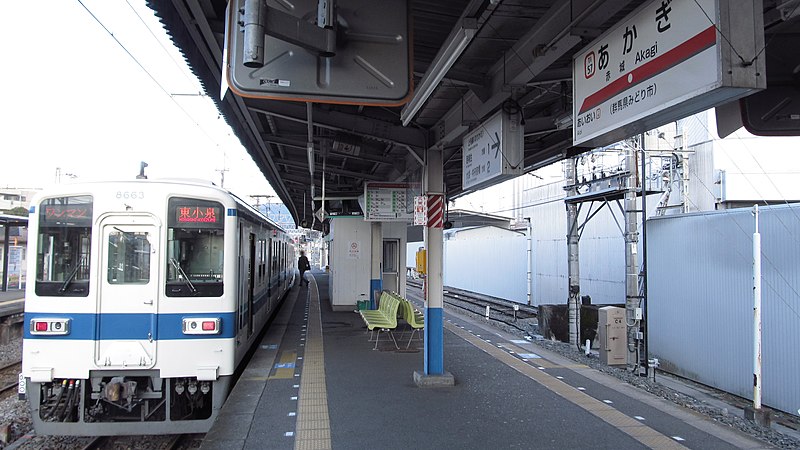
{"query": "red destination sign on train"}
[(67, 211), (197, 214)]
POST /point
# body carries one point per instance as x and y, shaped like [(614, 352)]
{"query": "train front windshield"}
[(64, 243), (195, 248)]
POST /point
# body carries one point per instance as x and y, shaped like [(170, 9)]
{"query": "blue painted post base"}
[(444, 380), (375, 287), (434, 341)]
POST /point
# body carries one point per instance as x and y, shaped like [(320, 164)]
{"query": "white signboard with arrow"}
[(493, 151)]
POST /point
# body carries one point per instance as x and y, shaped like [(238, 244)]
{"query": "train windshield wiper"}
[(69, 278), (186, 280)]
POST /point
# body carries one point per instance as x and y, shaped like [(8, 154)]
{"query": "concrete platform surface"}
[(316, 382)]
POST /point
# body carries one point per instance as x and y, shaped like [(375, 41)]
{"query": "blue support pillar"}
[(434, 373), (376, 260)]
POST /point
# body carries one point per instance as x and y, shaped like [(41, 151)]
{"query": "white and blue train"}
[(147, 295)]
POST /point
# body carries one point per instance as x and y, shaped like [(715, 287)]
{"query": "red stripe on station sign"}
[(691, 47), (436, 211)]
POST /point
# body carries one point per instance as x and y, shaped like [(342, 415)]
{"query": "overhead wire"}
[(147, 72), (181, 69)]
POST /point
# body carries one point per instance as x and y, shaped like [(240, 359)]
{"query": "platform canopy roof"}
[(521, 50), (13, 221)]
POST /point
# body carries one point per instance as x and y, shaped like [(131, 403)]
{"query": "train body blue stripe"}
[(132, 326)]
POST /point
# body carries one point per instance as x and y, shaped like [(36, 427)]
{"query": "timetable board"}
[(388, 202)]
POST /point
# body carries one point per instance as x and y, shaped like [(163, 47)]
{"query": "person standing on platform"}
[(303, 265)]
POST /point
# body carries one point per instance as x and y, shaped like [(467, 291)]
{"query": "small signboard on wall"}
[(388, 202), (420, 209)]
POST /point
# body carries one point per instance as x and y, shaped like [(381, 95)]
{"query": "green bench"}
[(383, 319), (414, 318)]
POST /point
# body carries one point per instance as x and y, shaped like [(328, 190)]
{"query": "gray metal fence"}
[(700, 294)]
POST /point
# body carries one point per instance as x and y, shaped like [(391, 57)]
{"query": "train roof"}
[(196, 182)]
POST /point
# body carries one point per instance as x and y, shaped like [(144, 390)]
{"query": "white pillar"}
[(756, 315), (530, 260)]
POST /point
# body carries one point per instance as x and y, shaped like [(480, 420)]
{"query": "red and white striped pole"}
[(434, 242)]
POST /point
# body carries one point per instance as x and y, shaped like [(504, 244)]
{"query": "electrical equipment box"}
[(422, 258), (611, 328)]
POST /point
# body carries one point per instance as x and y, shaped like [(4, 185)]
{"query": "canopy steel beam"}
[(547, 41), (376, 130), (329, 170), (284, 142)]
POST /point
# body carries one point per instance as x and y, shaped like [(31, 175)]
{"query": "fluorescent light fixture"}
[(563, 122), (442, 63)]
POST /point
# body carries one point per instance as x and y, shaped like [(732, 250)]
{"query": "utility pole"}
[(258, 198), (222, 177), (573, 263), (633, 308)]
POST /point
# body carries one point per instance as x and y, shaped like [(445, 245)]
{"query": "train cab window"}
[(128, 257), (63, 247), (195, 250)]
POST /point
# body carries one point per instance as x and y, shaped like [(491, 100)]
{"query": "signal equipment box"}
[(611, 329)]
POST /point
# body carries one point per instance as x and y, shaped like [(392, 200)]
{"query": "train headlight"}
[(201, 325), (50, 326)]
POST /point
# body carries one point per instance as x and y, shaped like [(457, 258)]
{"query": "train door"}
[(127, 332), (251, 279), (391, 265), (270, 269)]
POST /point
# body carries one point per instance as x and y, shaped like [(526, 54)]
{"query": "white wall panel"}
[(493, 265), (350, 267)]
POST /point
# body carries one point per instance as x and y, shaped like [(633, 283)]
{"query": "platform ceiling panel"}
[(518, 60)]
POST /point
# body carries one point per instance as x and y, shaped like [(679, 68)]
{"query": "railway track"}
[(168, 442), (9, 378), (457, 297), (511, 314)]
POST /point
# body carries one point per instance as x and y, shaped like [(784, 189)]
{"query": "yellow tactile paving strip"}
[(313, 422), (633, 428)]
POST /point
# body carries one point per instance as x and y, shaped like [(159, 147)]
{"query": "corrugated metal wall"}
[(701, 302), (492, 264), (602, 257)]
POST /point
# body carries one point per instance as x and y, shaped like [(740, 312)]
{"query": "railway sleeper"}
[(11, 328)]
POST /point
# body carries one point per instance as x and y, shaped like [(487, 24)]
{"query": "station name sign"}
[(665, 61)]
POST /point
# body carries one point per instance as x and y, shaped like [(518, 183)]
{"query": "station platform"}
[(315, 382), (12, 294)]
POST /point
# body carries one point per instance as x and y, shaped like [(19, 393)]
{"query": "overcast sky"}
[(74, 99)]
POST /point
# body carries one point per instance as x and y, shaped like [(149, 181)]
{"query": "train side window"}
[(262, 271), (128, 257), (195, 248), (63, 247)]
